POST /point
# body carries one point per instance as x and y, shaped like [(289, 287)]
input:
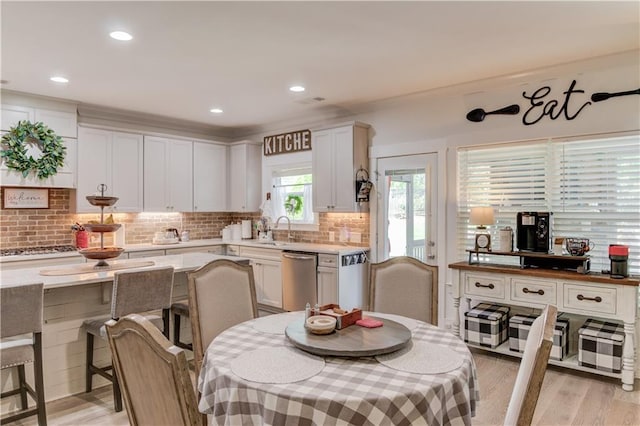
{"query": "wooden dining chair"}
[(21, 343), (153, 373), (404, 286), (136, 291), (532, 369), (222, 293)]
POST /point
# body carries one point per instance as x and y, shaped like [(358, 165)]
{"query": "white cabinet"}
[(64, 124), (168, 175), (267, 273), (209, 177), (327, 279), (245, 165), (113, 159), (337, 154), (64, 178), (579, 296)]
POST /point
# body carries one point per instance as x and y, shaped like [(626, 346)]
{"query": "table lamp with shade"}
[(482, 216)]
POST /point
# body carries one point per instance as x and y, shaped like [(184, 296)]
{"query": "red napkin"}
[(369, 323)]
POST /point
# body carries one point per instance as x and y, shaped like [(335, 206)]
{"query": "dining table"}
[(254, 374)]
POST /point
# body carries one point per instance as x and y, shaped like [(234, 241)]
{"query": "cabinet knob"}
[(527, 291), (596, 299), (489, 286)]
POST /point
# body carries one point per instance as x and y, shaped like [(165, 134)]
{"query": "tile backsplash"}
[(52, 226)]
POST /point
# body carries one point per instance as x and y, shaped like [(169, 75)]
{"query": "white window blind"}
[(591, 186)]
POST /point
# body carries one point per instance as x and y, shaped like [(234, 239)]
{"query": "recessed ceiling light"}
[(216, 110), (296, 88), (59, 79), (121, 35)]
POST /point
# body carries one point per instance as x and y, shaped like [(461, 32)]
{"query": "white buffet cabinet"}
[(583, 296)]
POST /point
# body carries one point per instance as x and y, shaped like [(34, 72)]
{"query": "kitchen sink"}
[(273, 243)]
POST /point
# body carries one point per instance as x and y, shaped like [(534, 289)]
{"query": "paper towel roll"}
[(246, 229), (236, 232)]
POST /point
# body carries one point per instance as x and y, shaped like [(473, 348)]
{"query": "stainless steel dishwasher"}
[(298, 280)]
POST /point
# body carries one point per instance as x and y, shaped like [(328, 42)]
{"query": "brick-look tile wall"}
[(49, 227)]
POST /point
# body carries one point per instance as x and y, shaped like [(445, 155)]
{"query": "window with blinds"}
[(591, 186)]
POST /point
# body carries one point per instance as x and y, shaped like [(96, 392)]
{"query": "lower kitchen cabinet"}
[(327, 276), (268, 276), (267, 273), (578, 296)]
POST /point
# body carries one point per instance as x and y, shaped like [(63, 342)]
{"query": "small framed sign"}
[(25, 198), (287, 143)]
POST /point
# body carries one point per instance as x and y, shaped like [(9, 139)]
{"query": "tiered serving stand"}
[(101, 253)]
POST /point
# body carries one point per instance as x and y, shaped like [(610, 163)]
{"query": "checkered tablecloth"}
[(357, 391)]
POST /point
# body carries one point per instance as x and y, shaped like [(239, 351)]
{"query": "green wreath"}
[(293, 204), (14, 149)]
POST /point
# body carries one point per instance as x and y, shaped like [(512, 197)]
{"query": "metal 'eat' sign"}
[(286, 143)]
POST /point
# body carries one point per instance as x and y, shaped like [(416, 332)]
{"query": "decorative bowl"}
[(101, 253), (101, 227), (320, 324), (101, 201)]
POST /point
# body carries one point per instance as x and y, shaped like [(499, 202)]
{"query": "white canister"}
[(506, 239), (226, 234)]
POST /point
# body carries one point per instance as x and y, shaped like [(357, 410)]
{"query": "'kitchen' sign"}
[(287, 142)]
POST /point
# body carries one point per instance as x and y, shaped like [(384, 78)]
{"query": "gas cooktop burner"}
[(36, 250)]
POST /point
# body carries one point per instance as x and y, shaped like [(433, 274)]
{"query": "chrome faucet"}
[(289, 237)]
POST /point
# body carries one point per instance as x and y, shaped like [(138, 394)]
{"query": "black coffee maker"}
[(619, 256)]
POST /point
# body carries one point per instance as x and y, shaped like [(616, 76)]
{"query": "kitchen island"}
[(68, 301)]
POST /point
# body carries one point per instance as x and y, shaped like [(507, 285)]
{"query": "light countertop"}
[(180, 262), (278, 245)]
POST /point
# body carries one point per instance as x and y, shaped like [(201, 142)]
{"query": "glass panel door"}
[(406, 207)]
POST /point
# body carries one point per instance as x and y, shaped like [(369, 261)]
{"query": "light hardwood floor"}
[(566, 398)]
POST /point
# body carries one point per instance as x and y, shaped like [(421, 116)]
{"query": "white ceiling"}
[(188, 57)]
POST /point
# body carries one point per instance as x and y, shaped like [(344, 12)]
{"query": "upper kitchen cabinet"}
[(168, 175), (209, 177), (337, 154), (63, 123), (113, 159), (245, 168)]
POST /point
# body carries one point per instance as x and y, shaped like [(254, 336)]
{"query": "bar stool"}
[(21, 314), (133, 292), (180, 309)]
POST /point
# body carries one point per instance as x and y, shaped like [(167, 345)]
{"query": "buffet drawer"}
[(527, 290), (485, 286), (587, 299)]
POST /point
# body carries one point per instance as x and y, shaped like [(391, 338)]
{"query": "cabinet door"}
[(244, 177), (126, 171), (155, 176), (180, 175), (343, 173), (63, 123), (94, 158), (11, 114), (327, 285), (323, 171), (268, 282), (209, 177)]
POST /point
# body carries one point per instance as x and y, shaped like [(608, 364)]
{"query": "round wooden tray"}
[(352, 341)]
